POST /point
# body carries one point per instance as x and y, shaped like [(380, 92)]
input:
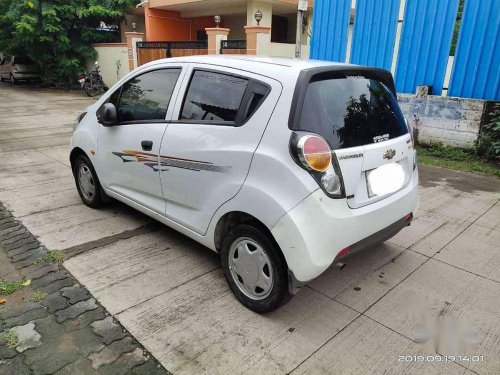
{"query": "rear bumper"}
[(315, 231)]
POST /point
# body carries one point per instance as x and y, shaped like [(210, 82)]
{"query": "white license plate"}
[(386, 179), (81, 80)]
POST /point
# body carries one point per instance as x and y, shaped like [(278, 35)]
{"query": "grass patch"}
[(52, 256), (456, 158), (10, 338), (9, 287), (37, 296)]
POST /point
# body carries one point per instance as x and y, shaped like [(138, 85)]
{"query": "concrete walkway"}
[(434, 288)]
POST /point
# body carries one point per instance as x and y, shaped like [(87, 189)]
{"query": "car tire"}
[(261, 263), (87, 182), (13, 79)]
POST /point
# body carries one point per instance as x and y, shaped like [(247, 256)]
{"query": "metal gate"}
[(150, 51), (233, 47)]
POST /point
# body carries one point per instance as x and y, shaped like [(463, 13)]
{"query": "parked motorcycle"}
[(92, 82)]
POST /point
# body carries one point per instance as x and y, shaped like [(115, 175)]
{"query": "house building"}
[(186, 20), (163, 28)]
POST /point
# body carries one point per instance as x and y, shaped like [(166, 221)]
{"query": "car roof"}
[(255, 64)]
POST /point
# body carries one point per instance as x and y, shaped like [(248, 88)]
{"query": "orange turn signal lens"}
[(315, 153)]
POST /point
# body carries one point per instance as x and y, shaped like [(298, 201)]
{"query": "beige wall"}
[(266, 48), (113, 60)]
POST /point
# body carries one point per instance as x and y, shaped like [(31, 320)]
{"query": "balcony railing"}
[(149, 51), (233, 46)]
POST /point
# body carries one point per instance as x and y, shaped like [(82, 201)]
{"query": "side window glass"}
[(213, 97), (146, 97)]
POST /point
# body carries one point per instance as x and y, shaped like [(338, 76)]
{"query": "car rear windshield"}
[(352, 111), (23, 60)]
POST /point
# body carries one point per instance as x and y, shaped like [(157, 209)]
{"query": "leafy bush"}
[(488, 144)]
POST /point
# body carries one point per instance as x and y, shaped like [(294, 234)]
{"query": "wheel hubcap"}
[(251, 268), (86, 182)]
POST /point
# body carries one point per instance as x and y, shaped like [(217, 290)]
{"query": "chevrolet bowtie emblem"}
[(389, 154)]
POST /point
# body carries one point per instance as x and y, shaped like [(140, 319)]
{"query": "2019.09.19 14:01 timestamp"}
[(440, 358)]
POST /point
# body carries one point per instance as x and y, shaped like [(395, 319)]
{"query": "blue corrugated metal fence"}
[(331, 26), (424, 44), (374, 33), (476, 69)]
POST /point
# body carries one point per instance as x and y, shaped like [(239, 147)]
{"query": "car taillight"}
[(313, 154)]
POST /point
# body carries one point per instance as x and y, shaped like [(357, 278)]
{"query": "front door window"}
[(147, 96)]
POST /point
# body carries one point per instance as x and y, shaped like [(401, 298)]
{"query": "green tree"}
[(58, 33), (456, 29)]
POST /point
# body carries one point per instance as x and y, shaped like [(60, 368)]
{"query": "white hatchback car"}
[(282, 166)]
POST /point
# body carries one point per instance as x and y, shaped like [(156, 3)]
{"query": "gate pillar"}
[(132, 38)]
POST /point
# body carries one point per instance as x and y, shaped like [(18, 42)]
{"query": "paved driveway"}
[(434, 288)]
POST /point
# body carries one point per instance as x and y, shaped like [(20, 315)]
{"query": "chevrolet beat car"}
[(281, 166)]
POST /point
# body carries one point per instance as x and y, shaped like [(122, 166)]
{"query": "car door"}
[(206, 153), (128, 151)]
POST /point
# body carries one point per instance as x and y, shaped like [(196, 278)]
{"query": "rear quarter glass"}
[(351, 111)]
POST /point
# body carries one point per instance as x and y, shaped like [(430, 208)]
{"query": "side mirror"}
[(107, 115)]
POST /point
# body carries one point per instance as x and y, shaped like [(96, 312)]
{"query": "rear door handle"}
[(147, 145)]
